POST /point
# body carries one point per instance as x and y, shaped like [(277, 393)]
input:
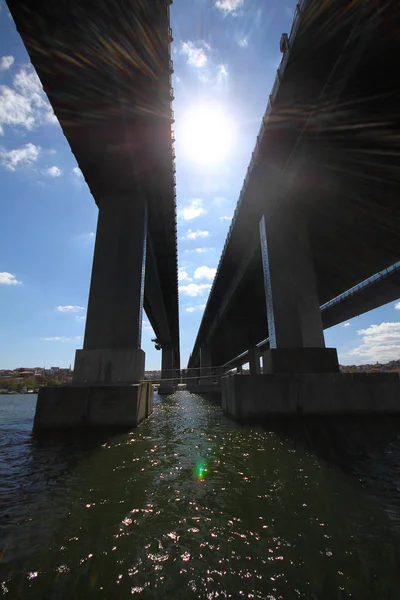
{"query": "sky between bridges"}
[(225, 55)]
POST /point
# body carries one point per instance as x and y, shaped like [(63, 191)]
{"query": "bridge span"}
[(319, 209), (106, 68)]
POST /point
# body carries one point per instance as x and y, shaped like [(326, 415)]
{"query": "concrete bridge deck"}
[(106, 68), (317, 215), (326, 159)]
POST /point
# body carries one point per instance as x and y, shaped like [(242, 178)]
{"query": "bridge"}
[(106, 68), (315, 237)]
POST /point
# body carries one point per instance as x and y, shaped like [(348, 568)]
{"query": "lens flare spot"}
[(201, 470)]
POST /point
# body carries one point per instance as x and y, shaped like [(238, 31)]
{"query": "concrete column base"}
[(203, 388), (109, 366), (248, 398), (93, 406), (300, 360), (166, 388), (254, 361)]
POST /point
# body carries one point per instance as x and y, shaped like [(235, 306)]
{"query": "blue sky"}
[(225, 55)]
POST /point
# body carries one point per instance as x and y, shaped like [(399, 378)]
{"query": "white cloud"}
[(225, 218), (199, 250), (205, 273), (381, 334), (243, 42), (25, 103), (57, 338), (373, 354), (148, 329), (14, 109), (8, 279), (53, 172), (70, 308), (27, 155), (193, 210), (222, 73), (379, 343), (289, 12), (194, 289), (82, 318), (397, 306), (192, 309), (76, 171), (229, 6), (346, 324), (183, 275), (196, 57), (6, 62), (28, 85), (193, 235)]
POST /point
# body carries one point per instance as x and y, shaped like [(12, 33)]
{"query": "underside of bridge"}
[(106, 69), (327, 158)]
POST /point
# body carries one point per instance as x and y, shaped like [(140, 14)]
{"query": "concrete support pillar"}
[(264, 358), (254, 361), (294, 316), (111, 350), (293, 312), (168, 371), (193, 376), (105, 391), (205, 366), (167, 363)]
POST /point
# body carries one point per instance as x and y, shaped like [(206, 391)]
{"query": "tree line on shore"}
[(30, 383)]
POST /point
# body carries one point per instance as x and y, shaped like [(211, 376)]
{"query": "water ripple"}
[(189, 505)]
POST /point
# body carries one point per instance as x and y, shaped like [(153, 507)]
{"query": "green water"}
[(190, 505)]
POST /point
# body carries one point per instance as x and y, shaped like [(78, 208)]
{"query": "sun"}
[(207, 134)]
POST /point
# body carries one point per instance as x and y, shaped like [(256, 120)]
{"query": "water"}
[(190, 505)]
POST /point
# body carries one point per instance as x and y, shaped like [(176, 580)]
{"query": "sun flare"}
[(207, 134)]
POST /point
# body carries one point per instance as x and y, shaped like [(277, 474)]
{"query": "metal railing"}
[(363, 284), (236, 361)]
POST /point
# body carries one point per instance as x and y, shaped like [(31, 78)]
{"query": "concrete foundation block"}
[(202, 388), (253, 397), (109, 366), (93, 406), (300, 360), (166, 388)]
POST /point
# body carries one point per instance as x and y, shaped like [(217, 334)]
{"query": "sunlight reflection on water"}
[(190, 505)]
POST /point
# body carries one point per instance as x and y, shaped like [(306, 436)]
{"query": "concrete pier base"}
[(253, 397), (300, 360), (166, 388), (204, 388), (109, 366), (93, 406)]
